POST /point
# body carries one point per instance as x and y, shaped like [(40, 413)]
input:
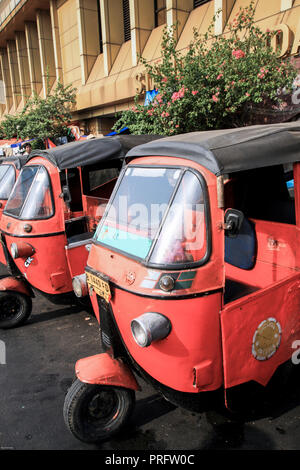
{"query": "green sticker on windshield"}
[(122, 240)]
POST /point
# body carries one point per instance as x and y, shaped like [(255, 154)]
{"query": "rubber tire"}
[(22, 315), (77, 399)]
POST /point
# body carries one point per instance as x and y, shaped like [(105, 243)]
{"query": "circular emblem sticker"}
[(130, 277), (266, 339)]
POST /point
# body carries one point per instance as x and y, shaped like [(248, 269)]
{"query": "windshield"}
[(31, 197), (7, 180), (157, 215)]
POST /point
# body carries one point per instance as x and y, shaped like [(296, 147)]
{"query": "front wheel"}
[(15, 309), (94, 413)]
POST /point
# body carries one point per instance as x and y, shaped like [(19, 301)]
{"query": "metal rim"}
[(10, 307), (101, 410)]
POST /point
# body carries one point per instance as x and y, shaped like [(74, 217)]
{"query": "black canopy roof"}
[(18, 160), (91, 151), (231, 150)]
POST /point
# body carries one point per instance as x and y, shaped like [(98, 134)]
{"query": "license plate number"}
[(100, 286)]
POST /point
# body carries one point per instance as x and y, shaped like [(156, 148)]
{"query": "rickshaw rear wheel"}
[(94, 413), (15, 309)]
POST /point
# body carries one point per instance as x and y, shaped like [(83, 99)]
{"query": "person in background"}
[(28, 149)]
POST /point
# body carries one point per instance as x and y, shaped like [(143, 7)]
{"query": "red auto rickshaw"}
[(193, 273), (9, 170), (50, 218)]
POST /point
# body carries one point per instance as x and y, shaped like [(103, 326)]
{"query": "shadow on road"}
[(150, 408), (52, 315)]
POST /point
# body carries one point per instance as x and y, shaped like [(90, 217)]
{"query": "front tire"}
[(15, 309), (94, 413)]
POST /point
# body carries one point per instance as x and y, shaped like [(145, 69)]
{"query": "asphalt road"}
[(40, 359)]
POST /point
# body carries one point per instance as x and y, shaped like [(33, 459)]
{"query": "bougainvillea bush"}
[(42, 117), (214, 83)]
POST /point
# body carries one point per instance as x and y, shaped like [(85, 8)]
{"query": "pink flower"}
[(194, 92), (177, 125), (232, 83), (215, 99), (165, 114), (219, 76), (164, 79), (178, 94), (181, 92), (238, 53), (247, 94)]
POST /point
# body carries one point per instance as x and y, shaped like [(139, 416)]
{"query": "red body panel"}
[(47, 265), (76, 259), (176, 360), (185, 360), (242, 318), (10, 283), (104, 370)]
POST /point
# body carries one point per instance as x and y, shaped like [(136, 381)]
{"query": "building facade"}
[(95, 44)]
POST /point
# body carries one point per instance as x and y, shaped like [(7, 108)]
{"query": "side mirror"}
[(233, 222), (66, 194)]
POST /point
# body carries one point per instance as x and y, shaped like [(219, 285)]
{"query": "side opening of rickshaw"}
[(89, 191)]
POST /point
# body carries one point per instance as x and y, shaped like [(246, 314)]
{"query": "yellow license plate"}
[(100, 286)]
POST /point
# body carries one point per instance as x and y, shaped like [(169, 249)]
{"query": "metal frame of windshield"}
[(7, 164), (51, 195), (146, 262)]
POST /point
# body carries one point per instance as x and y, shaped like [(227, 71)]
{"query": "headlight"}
[(150, 327), (14, 250), (21, 250), (79, 284)]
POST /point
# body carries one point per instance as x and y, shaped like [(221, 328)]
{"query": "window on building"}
[(100, 28), (160, 12), (126, 17), (198, 3)]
